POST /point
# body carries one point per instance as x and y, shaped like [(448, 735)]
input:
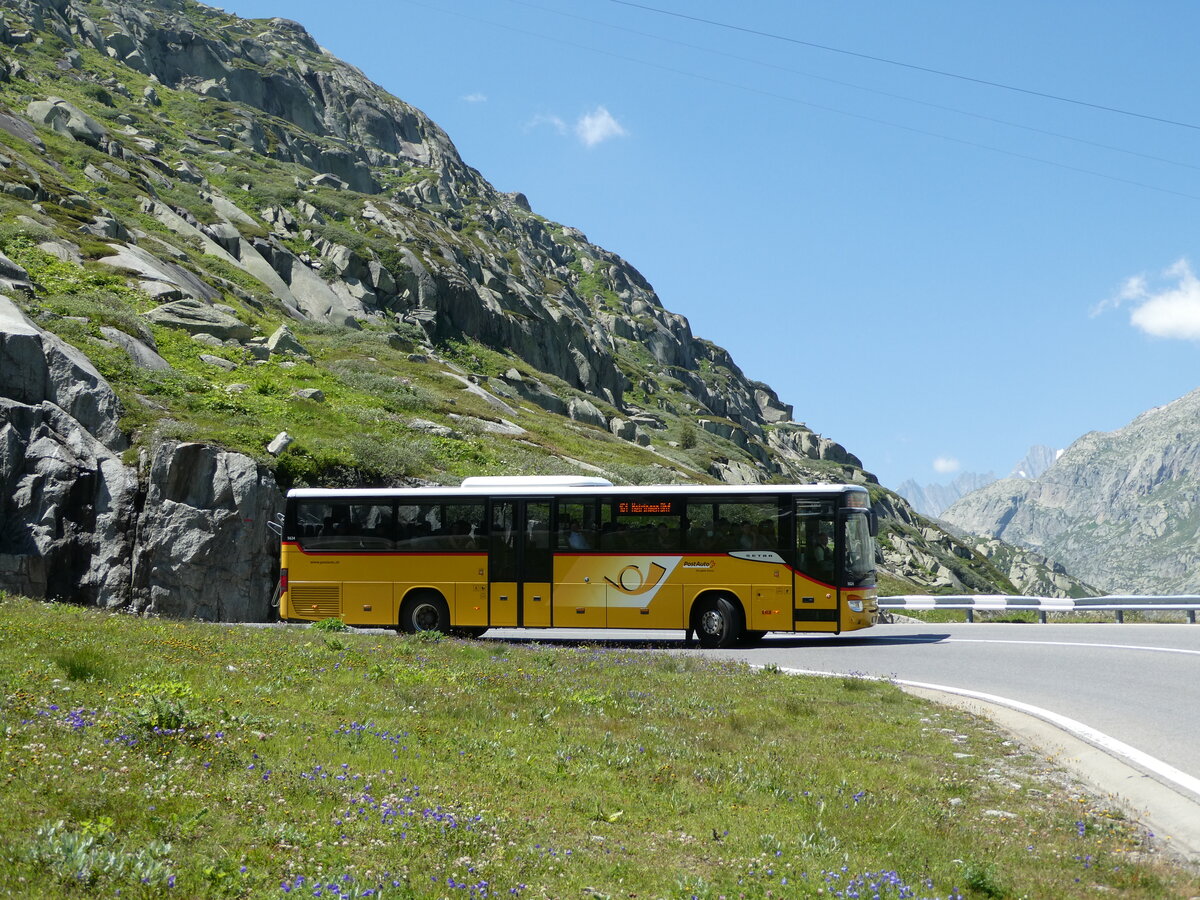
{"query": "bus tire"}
[(717, 621), (424, 611)]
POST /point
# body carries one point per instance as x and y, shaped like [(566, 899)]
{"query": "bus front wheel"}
[(425, 612), (718, 622)]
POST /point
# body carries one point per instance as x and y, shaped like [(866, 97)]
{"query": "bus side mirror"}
[(873, 522)]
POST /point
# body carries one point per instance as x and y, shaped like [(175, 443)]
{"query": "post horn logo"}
[(630, 580)]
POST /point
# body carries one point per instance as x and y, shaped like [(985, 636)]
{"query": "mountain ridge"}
[(286, 275), (1120, 509), (933, 499)]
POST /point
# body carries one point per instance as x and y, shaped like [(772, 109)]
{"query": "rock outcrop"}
[(202, 548), (182, 533)]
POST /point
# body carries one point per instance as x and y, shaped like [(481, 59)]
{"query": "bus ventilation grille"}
[(317, 600)]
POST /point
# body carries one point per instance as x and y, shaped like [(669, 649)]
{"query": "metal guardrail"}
[(1117, 603)]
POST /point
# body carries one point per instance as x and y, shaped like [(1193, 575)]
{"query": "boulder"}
[(218, 362), (734, 472), (424, 425), (107, 227), (151, 268), (204, 549), (326, 179), (279, 443), (161, 291), (67, 504), (534, 391), (12, 276), (582, 410), (623, 428), (63, 250), (142, 355), (226, 236), (195, 317), (285, 342), (63, 117), (40, 367), (21, 130)]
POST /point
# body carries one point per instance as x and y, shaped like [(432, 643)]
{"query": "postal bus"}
[(728, 563)]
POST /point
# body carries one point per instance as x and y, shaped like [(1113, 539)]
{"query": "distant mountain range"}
[(1119, 509), (934, 499)]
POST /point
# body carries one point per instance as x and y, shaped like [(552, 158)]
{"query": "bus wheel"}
[(717, 622), (424, 612)]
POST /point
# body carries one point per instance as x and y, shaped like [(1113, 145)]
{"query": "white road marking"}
[(956, 640), (1087, 733)]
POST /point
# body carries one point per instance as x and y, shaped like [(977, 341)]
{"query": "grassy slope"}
[(221, 762)]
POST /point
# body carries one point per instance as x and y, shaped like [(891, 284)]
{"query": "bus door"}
[(815, 596), (520, 564)]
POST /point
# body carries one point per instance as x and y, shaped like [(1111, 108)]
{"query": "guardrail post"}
[(1042, 616), (1192, 616), (970, 615), (1120, 617)]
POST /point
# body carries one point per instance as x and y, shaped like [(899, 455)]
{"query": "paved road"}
[(1139, 684)]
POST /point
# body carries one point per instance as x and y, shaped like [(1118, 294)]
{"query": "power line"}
[(894, 62), (789, 99), (858, 87)]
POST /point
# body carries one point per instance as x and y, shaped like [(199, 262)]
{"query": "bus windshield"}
[(860, 551)]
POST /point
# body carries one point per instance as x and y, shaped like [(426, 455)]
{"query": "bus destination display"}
[(648, 507)]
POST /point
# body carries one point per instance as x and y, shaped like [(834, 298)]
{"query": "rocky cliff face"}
[(216, 232), (1121, 509), (182, 533)]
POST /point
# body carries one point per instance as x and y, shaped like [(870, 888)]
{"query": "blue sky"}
[(926, 282)]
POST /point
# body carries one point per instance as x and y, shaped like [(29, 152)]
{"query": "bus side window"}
[(577, 526)]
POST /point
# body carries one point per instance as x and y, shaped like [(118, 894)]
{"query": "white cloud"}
[(546, 119), (597, 126), (945, 465), (1167, 310), (477, 97)]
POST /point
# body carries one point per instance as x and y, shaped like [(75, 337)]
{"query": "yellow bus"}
[(727, 563)]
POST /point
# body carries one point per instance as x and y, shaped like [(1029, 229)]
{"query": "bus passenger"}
[(576, 540), (766, 535), (749, 537)]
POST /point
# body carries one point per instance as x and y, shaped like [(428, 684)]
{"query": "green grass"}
[(202, 760)]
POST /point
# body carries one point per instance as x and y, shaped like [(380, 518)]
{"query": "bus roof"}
[(514, 487)]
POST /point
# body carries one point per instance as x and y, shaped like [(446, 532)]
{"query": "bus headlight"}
[(855, 605)]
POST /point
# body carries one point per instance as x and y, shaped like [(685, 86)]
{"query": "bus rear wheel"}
[(718, 622), (424, 612)]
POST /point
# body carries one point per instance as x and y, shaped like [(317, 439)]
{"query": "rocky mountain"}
[(1120, 509), (232, 264), (933, 499), (1036, 461)]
